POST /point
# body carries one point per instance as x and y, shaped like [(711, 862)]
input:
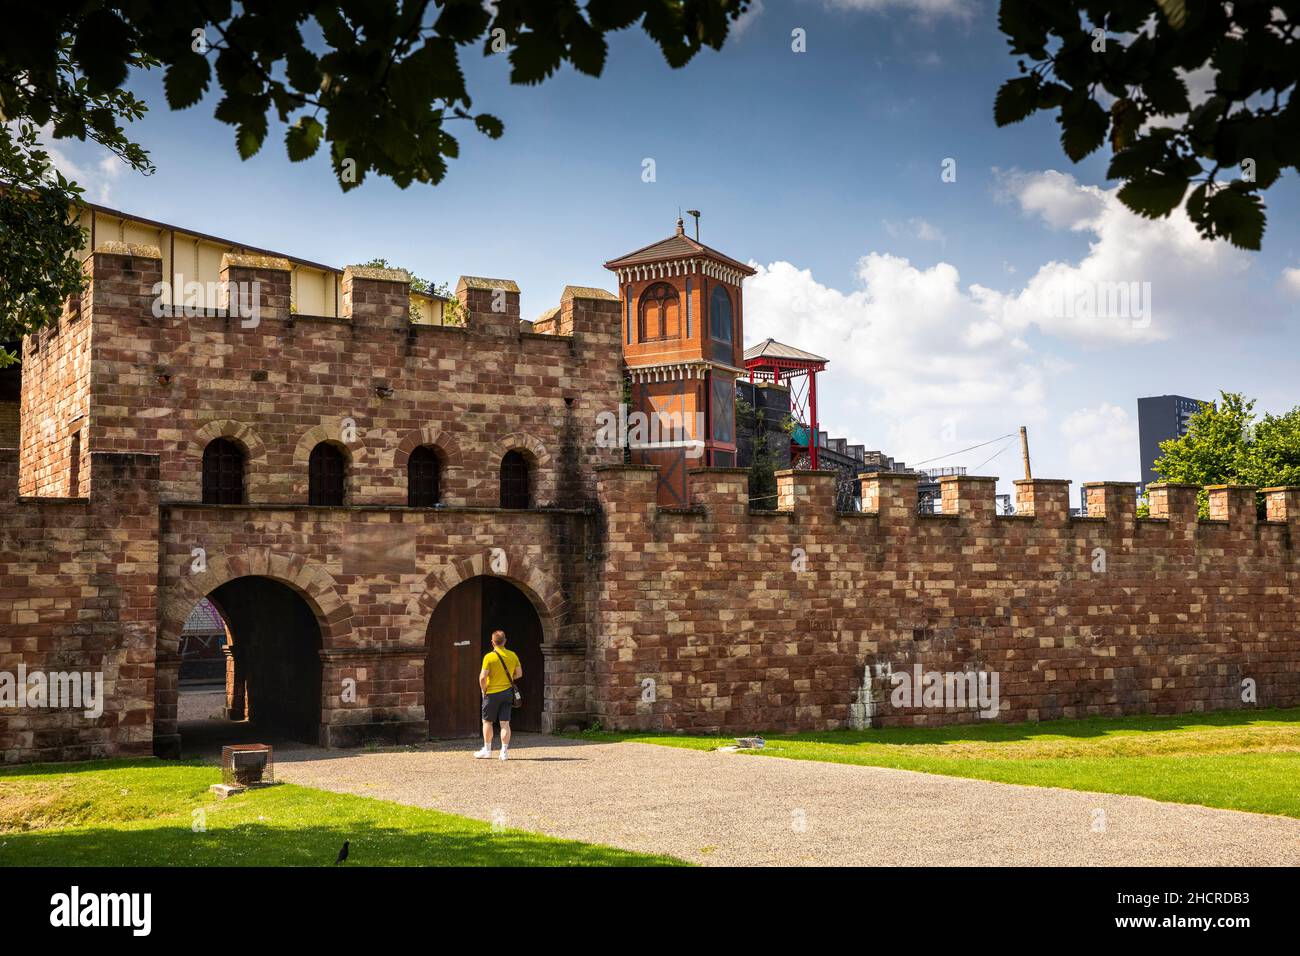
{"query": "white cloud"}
[(96, 177), (926, 8), (1291, 281), (1102, 442), (1142, 280), (922, 365), (917, 349), (746, 19), (914, 229)]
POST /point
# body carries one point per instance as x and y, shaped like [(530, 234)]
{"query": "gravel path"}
[(731, 809)]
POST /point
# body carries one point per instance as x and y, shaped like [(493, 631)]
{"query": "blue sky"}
[(823, 169)]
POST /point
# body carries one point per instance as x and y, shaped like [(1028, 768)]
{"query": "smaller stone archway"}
[(457, 640)]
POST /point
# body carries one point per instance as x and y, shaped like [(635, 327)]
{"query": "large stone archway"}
[(322, 604)]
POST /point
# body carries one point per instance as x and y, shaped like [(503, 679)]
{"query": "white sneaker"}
[(483, 752), (504, 751)]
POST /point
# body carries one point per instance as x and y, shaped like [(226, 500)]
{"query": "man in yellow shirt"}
[(494, 680)]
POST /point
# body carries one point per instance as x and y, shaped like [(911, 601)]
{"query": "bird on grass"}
[(343, 853)]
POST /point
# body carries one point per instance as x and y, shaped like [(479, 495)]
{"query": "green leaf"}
[(534, 57), (102, 48), (1083, 128), (1175, 12), (1238, 216), (248, 138), (1167, 93), (489, 125), (1017, 99), (1153, 195), (303, 138), (186, 80), (587, 48)]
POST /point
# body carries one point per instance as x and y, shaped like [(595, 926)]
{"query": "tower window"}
[(720, 325), (688, 307), (515, 491), (223, 473), (627, 312), (326, 474), (423, 476), (659, 314)]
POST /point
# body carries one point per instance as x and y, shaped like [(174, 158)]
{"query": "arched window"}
[(514, 480), (326, 475), (720, 325), (660, 316), (223, 473), (423, 478)]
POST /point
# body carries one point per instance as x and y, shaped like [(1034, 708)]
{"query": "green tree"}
[(452, 314), (1116, 70), (39, 230), (762, 466), (377, 82), (1224, 444)]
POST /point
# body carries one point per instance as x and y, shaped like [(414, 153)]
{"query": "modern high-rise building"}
[(1160, 418)]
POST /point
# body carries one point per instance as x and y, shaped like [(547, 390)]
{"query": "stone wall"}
[(371, 381), (796, 619), (373, 576), (78, 594), (55, 404)]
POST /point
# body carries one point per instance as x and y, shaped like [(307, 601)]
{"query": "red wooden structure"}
[(773, 361)]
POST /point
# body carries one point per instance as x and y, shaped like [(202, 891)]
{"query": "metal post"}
[(812, 413)]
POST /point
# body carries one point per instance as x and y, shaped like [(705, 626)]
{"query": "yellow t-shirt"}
[(497, 679)]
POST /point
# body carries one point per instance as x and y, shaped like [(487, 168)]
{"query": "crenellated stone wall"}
[(800, 618)]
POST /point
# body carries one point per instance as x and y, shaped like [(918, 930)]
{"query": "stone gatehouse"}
[(364, 496)]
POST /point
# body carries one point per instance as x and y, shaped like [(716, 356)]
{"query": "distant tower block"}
[(682, 335)]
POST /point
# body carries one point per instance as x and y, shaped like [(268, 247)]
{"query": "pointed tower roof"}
[(677, 246)]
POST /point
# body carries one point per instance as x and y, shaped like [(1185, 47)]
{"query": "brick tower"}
[(682, 317)]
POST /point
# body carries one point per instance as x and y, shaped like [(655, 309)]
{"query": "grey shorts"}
[(497, 706)]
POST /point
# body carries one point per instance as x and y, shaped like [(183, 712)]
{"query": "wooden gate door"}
[(507, 608), (454, 641)]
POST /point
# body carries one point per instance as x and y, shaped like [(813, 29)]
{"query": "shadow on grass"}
[(258, 844)]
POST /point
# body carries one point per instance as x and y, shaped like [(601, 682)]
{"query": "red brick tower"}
[(682, 317)]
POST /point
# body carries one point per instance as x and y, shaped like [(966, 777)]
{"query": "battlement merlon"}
[(1116, 501), (590, 314), (1044, 499), (971, 497), (1282, 504), (491, 306), (806, 492), (722, 492), (891, 496)]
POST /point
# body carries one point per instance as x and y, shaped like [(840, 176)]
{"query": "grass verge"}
[(156, 813), (1236, 760)]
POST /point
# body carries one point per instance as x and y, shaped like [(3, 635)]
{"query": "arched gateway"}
[(459, 635)]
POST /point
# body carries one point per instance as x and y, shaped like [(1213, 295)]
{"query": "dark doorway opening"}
[(459, 634), (272, 676)]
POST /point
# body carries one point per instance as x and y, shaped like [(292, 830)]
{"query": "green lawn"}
[(141, 813), (1232, 759)]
